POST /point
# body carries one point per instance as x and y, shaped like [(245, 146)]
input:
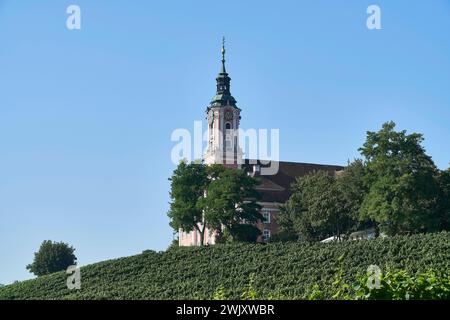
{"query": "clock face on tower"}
[(229, 115)]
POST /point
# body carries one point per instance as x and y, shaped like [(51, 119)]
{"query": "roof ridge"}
[(292, 162)]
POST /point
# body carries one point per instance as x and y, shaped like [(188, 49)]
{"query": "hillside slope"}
[(289, 270)]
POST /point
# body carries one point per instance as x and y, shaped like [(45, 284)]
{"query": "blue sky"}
[(86, 116)]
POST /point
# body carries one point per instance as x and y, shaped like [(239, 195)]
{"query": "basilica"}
[(224, 117)]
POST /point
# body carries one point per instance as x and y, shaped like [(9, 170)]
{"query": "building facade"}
[(223, 116)]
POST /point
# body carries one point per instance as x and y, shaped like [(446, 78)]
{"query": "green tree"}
[(315, 209), (52, 257), (231, 204), (400, 178), (286, 233), (244, 232), (291, 220), (443, 181), (352, 190), (216, 198), (188, 185)]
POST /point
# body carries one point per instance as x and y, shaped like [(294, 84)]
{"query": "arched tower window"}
[(228, 126)]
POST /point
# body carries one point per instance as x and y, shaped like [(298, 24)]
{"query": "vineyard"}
[(289, 270)]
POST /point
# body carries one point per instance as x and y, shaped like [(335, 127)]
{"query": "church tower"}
[(223, 123)]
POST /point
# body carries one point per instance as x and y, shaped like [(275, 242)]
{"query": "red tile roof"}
[(277, 187)]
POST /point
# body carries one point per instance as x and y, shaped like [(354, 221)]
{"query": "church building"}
[(224, 117)]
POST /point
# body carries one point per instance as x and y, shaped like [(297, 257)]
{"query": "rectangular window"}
[(266, 235), (228, 141), (266, 216)]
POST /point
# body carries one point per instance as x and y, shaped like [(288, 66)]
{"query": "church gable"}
[(267, 185)]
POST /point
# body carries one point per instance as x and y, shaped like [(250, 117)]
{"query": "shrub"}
[(402, 285)]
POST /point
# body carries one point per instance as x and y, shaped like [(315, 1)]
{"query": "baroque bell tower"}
[(223, 123)]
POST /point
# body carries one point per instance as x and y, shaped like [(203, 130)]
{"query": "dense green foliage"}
[(52, 257), (352, 190), (395, 188), (392, 285), (216, 198), (443, 181), (316, 209), (401, 178), (282, 270), (230, 204), (401, 285), (188, 184)]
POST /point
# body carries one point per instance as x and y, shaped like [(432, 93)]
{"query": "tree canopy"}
[(230, 203), (188, 185), (443, 181), (317, 208), (401, 182), (214, 197), (52, 257), (395, 188)]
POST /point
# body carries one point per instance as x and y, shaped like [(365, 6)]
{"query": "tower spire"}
[(223, 56), (223, 95), (223, 122)]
